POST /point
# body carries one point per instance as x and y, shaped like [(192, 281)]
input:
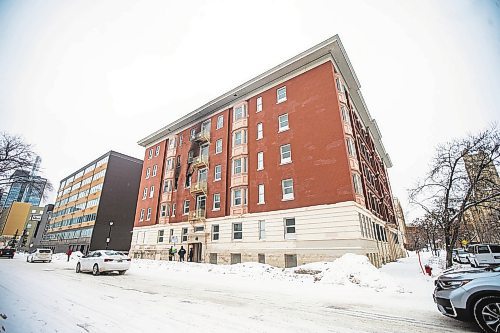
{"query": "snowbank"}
[(350, 269), (63, 256)]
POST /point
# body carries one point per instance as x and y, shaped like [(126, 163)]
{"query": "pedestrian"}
[(182, 252), (191, 254), (69, 252), (170, 253)]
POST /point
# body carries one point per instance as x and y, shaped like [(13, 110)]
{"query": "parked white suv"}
[(484, 254), (43, 255)]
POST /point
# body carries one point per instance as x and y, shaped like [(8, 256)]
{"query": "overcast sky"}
[(79, 78)]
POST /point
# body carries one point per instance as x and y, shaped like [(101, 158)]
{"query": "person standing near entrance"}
[(171, 253), (191, 254), (182, 252)]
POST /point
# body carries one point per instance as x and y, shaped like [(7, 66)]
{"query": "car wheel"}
[(121, 272), (95, 269), (78, 268), (27, 259), (487, 313)]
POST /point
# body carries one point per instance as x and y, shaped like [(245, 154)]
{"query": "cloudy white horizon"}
[(80, 78)]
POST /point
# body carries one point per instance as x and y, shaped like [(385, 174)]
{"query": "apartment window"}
[(188, 181), (339, 85), (213, 258), (262, 229), (148, 172), (157, 152), (260, 131), (148, 216), (240, 137), (235, 258), (178, 164), (261, 194), (171, 143), (350, 147), (259, 104), (239, 165), (160, 236), (239, 112), (218, 146), (180, 139), (286, 154), (155, 170), (290, 260), (260, 160), (283, 122), (152, 192), (173, 209), (141, 216), (215, 232), (281, 94), (216, 201), (345, 114), (262, 258), (167, 186), (163, 211), (289, 226), (218, 172), (184, 234), (357, 184), (287, 188), (220, 122), (192, 134), (190, 156), (170, 163), (145, 193), (186, 207), (237, 231), (150, 153)]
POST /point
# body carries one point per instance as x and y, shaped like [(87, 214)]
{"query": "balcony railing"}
[(200, 161), (197, 215), (199, 187), (203, 136)]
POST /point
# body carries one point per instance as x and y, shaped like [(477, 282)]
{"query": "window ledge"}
[(260, 169), (216, 180), (215, 209), (287, 199), (286, 162), (261, 203), (283, 129), (281, 100)]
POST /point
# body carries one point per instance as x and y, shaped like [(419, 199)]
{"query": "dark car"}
[(7, 252)]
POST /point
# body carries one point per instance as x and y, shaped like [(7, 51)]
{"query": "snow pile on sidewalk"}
[(351, 269)]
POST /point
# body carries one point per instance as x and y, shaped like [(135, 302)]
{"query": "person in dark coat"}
[(191, 254), (182, 252), (69, 252)]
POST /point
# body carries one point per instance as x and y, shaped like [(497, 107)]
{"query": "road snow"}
[(347, 295)]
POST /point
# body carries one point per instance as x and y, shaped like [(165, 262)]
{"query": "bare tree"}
[(459, 171), (16, 155)]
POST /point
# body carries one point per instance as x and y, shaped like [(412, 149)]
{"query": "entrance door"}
[(197, 251)]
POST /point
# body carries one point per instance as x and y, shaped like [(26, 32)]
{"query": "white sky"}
[(79, 78)]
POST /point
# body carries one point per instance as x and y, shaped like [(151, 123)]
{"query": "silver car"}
[(472, 294)]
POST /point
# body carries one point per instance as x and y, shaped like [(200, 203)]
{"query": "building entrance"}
[(197, 251)]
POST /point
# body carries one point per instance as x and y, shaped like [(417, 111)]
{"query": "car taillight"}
[(106, 260)]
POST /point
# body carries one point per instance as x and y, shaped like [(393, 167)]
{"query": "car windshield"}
[(461, 251), (44, 251), (113, 253)]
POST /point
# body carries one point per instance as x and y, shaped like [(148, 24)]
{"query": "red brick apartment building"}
[(286, 169)]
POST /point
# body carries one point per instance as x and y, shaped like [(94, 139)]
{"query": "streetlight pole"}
[(109, 234)]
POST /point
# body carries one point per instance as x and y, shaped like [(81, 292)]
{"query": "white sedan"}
[(43, 255), (101, 261)]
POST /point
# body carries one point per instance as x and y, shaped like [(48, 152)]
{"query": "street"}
[(53, 298)]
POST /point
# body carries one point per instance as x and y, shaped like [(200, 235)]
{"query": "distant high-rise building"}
[(24, 188)]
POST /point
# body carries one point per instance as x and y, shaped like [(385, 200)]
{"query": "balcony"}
[(200, 161), (199, 188), (240, 123), (203, 136), (197, 215), (166, 196), (239, 210)]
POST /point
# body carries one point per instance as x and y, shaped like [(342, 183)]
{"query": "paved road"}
[(53, 298)]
